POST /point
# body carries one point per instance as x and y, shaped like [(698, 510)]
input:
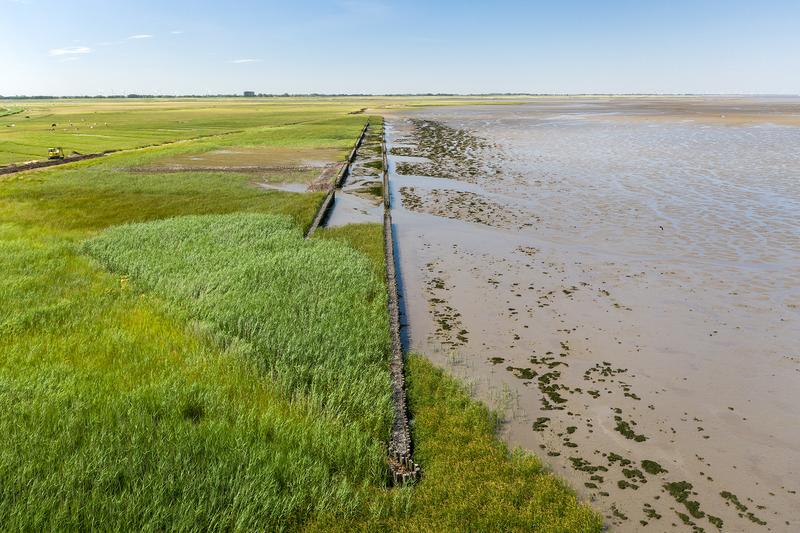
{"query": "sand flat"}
[(650, 311)]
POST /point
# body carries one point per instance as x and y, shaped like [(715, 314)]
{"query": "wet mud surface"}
[(466, 205), (621, 280)]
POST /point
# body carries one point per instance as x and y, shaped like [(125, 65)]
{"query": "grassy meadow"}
[(95, 125), (174, 355)]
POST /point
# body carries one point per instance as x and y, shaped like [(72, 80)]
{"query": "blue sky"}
[(384, 46)]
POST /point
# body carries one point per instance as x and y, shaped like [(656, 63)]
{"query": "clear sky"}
[(386, 46)]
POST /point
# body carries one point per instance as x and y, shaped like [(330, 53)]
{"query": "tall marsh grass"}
[(312, 312), (270, 407)]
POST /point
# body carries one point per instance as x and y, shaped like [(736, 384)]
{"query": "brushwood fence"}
[(402, 467)]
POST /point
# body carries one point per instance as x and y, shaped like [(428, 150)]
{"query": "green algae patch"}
[(652, 467)]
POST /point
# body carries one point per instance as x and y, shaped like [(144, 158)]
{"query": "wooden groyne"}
[(402, 467)]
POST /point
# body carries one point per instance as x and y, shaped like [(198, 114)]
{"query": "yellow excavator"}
[(55, 153)]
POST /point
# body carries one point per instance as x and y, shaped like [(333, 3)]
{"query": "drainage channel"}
[(358, 196), (326, 207)]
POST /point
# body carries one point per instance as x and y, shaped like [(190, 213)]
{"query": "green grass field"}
[(174, 355), (99, 125), (95, 125)]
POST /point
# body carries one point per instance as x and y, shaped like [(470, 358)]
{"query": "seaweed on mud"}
[(717, 521), (448, 320), (603, 369), (688, 521), (551, 399), (650, 513), (375, 190), (377, 164), (540, 423), (582, 465), (451, 152), (634, 474), (616, 458), (652, 467), (624, 427), (550, 362), (522, 373), (467, 206), (681, 491), (731, 498), (617, 513), (403, 151)]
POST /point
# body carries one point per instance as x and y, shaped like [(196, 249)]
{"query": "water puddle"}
[(353, 209)]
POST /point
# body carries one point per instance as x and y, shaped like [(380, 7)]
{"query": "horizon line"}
[(419, 94)]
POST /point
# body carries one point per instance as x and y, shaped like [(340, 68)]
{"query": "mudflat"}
[(621, 278)]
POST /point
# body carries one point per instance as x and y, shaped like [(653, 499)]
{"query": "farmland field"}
[(174, 355)]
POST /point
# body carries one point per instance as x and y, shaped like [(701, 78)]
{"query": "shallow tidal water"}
[(621, 279)]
